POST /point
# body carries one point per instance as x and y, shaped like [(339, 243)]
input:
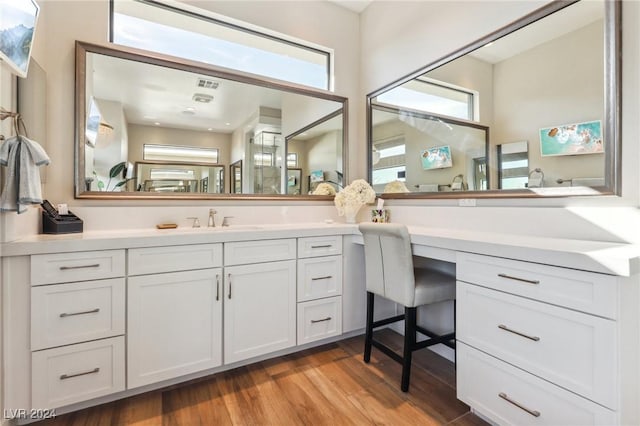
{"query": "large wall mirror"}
[(153, 126), (530, 110)]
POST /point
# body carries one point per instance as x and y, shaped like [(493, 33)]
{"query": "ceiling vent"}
[(202, 97), (207, 84)]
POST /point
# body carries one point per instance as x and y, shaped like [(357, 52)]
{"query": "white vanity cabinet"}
[(319, 288), (77, 326), (259, 298), (174, 318), (537, 344)]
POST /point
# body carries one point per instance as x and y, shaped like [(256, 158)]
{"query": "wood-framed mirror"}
[(187, 123), (549, 82)]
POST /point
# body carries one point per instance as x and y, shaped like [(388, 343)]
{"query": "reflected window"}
[(292, 160), (180, 153), (389, 174), (166, 29), (432, 96)]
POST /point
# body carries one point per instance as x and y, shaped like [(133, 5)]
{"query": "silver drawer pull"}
[(229, 279), (524, 280), (325, 246), (69, 376), (504, 396), (70, 314), (66, 268), (327, 277), (505, 328), (321, 320)]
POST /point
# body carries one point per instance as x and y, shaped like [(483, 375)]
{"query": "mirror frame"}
[(152, 58), (612, 109)]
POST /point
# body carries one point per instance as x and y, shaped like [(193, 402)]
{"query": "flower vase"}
[(350, 213)]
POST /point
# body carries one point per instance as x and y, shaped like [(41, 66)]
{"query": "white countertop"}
[(595, 256)]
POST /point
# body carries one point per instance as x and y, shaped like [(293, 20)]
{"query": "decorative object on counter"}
[(324, 189), (350, 199), (22, 157), (395, 186), (380, 216), (572, 139), (55, 223), (167, 225), (536, 178)]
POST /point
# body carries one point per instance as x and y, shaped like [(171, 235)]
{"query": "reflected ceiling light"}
[(156, 123), (202, 98), (105, 128), (228, 124), (210, 129)]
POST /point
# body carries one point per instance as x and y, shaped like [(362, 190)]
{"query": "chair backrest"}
[(389, 261)]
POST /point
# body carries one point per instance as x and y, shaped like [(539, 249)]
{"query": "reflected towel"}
[(22, 157)]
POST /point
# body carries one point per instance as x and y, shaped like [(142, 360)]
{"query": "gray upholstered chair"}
[(390, 273)]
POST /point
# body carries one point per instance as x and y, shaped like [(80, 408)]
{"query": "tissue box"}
[(65, 224), (380, 216)]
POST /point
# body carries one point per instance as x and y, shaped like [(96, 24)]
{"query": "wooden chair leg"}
[(368, 337), (409, 343)]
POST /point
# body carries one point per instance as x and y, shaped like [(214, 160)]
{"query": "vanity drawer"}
[(484, 382), (319, 246), (71, 313), (75, 373), (155, 260), (319, 319), (583, 291), (245, 252), (78, 266), (568, 348), (319, 277)]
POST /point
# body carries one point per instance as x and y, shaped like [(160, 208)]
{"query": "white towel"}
[(22, 157)]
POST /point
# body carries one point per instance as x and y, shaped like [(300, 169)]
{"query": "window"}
[(389, 174), (173, 153), (197, 35), (432, 96)]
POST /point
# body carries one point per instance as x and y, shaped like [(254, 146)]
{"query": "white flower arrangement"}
[(350, 199), (324, 189), (395, 186)]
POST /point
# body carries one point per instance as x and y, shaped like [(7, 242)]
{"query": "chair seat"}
[(433, 287)]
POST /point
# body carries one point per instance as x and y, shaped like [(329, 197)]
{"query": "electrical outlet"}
[(467, 202)]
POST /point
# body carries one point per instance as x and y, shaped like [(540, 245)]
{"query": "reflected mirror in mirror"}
[(184, 124), (544, 79), (316, 151)]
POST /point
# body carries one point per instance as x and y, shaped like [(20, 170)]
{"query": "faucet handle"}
[(196, 222), (225, 221)]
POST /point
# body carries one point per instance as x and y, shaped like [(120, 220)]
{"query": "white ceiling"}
[(354, 5), (152, 94)]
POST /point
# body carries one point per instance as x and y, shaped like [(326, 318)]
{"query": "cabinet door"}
[(260, 309), (174, 325)]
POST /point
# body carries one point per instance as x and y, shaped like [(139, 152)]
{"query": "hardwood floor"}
[(328, 385)]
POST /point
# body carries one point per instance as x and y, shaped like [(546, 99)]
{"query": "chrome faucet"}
[(196, 222), (225, 220), (212, 221)]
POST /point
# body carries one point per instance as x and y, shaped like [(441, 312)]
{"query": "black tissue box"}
[(63, 224)]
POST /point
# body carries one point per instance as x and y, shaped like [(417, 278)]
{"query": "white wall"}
[(400, 37), (62, 22)]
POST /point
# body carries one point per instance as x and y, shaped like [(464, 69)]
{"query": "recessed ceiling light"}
[(209, 129), (156, 123), (190, 109), (228, 124)]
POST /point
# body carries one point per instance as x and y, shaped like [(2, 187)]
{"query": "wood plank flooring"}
[(328, 385)]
